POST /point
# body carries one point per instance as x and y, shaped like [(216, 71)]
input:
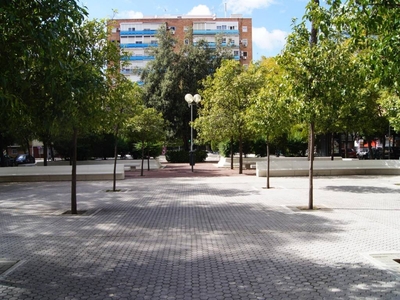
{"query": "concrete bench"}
[(329, 168)]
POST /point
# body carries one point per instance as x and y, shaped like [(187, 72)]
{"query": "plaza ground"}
[(174, 234)]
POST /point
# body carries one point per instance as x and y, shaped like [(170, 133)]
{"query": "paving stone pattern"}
[(200, 238)]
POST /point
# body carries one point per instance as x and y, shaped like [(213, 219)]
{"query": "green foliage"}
[(182, 156), (151, 150), (176, 71)]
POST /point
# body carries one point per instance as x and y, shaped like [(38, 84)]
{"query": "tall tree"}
[(268, 115), (313, 72), (177, 70), (227, 95), (122, 102), (80, 95), (374, 25), (34, 32)]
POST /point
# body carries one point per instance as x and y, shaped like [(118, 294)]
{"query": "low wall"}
[(154, 163), (60, 173), (225, 162), (279, 168)]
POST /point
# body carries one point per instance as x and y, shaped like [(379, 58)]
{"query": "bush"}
[(182, 156)]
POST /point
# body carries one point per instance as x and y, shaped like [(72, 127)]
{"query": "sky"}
[(272, 19)]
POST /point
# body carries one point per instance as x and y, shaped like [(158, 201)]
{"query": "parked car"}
[(375, 153), (24, 159), (351, 153), (8, 161)]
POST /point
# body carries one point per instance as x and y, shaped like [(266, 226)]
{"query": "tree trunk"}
[(74, 209), (141, 168), (268, 164), (29, 148), (371, 155), (332, 146), (311, 168), (346, 143), (115, 159), (240, 154), (313, 42), (51, 151), (45, 150), (3, 163), (231, 153), (148, 160)]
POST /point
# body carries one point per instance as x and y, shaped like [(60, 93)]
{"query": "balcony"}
[(216, 31), (139, 32), (138, 58), (134, 45)]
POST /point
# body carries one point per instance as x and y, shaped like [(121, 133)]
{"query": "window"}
[(244, 54), (114, 30), (139, 42), (244, 42), (172, 28), (223, 27), (185, 28), (244, 28), (231, 27), (153, 42), (223, 40), (236, 53), (186, 41)]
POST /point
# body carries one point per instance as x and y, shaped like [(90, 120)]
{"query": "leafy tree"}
[(227, 96), (313, 72), (373, 25), (34, 32), (268, 114), (82, 86), (176, 71), (147, 127), (122, 101)]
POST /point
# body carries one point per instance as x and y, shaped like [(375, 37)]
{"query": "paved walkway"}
[(202, 237)]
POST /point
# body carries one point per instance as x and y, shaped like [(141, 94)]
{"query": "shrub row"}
[(183, 156)]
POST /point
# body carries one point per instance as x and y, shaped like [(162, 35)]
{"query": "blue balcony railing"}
[(139, 32), (213, 44), (134, 45), (215, 31), (139, 57)]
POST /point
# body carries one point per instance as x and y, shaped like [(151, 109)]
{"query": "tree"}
[(177, 70), (268, 114), (374, 25), (227, 95), (313, 72), (123, 100), (148, 127), (82, 86), (34, 32)]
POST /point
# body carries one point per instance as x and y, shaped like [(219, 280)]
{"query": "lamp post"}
[(192, 100)]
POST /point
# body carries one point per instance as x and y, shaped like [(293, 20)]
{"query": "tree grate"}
[(6, 265)]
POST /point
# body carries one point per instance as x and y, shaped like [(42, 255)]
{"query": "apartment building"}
[(137, 35)]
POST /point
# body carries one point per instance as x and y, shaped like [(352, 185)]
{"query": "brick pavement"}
[(200, 237)]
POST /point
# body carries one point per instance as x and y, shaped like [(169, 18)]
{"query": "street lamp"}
[(192, 100)]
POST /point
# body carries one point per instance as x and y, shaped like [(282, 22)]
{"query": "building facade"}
[(135, 36)]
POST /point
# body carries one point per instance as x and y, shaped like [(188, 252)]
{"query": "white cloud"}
[(246, 7), (200, 10), (129, 15), (271, 41)]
